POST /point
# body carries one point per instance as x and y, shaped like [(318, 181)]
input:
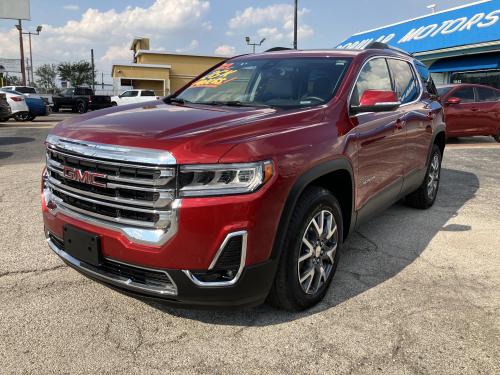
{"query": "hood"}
[(191, 133)]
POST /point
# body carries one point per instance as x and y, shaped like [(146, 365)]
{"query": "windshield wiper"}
[(175, 100), (233, 103)]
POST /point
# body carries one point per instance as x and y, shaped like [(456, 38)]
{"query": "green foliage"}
[(47, 75), (78, 73), (12, 81)]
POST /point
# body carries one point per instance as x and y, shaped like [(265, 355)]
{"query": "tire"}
[(81, 107), (298, 258), (55, 108), (31, 118), (497, 137), (425, 195), (22, 116), (113, 104)]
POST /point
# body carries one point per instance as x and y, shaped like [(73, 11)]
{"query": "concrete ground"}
[(416, 292)]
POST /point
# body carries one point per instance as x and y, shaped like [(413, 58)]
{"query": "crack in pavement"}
[(23, 272)]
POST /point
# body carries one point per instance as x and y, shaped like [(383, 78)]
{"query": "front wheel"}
[(497, 137), (425, 195), (310, 253)]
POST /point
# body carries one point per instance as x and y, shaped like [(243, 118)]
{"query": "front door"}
[(461, 118), (381, 144)]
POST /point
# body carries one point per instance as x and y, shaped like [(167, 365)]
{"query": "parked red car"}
[(244, 184), (471, 110)]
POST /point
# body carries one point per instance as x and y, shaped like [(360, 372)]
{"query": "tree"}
[(77, 74), (47, 74), (12, 81)]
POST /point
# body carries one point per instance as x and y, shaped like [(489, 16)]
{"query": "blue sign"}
[(470, 24)]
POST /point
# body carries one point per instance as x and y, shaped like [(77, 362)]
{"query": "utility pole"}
[(21, 48), (93, 70), (31, 76), (28, 71), (295, 25), (102, 80)]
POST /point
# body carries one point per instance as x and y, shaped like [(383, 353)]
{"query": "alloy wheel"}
[(433, 177), (317, 252)]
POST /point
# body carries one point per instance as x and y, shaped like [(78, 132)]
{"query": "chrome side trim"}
[(110, 278), (140, 235), (113, 152), (205, 284)]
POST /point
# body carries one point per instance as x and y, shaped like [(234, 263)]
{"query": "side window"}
[(133, 93), (465, 94), (405, 81), (373, 76), (126, 94), (147, 93), (486, 95)]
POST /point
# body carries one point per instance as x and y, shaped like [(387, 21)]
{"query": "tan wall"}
[(140, 72)]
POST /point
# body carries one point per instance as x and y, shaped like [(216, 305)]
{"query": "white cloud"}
[(274, 22), (110, 32), (190, 47), (225, 50), (71, 7)]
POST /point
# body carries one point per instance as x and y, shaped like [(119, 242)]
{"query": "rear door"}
[(461, 119), (381, 144), (488, 119)]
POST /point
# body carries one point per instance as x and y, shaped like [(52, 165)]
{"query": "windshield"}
[(443, 90), (290, 82), (26, 90)]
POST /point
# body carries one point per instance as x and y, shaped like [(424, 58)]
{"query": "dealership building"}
[(459, 45), (163, 72)]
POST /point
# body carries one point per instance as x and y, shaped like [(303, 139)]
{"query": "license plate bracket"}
[(82, 245)]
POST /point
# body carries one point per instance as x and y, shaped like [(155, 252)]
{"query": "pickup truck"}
[(243, 186), (80, 99)]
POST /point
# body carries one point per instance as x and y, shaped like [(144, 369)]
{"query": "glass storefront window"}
[(485, 77)]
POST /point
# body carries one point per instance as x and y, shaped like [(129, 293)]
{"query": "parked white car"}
[(31, 92), (134, 96), (17, 104)]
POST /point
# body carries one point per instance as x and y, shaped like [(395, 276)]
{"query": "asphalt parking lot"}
[(416, 292)]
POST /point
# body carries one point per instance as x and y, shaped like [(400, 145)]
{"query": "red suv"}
[(471, 110), (244, 184)]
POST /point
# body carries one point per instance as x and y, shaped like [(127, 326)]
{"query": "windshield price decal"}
[(223, 74)]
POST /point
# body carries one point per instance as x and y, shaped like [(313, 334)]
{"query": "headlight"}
[(223, 179)]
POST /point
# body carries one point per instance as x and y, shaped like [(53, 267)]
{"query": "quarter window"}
[(486, 95), (465, 94), (373, 76), (404, 80)]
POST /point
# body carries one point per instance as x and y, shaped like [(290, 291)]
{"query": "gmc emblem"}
[(86, 177)]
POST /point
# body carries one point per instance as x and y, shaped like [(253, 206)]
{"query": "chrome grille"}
[(126, 189)]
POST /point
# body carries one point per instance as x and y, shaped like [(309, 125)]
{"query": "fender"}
[(341, 164)]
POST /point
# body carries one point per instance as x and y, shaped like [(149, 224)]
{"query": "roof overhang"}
[(150, 52), (136, 65), (461, 27)]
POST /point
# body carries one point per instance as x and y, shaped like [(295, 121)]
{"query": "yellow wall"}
[(124, 71)]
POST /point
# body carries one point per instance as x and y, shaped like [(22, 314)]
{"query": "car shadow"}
[(374, 253)]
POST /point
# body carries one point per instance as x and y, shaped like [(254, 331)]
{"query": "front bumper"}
[(251, 289)]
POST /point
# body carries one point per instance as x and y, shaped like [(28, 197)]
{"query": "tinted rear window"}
[(486, 95), (148, 93)]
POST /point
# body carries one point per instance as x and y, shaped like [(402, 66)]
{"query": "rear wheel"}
[(22, 116), (425, 195), (113, 104), (497, 137), (310, 254), (81, 107), (55, 108)]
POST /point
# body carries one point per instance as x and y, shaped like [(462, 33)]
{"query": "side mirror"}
[(453, 100), (120, 95), (376, 101)]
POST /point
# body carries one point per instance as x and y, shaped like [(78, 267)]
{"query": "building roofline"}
[(165, 66), (420, 17), (153, 52)]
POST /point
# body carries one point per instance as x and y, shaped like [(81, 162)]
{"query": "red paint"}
[(386, 145), (471, 118)]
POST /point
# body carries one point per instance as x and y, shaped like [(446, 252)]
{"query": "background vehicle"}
[(244, 185), (28, 91), (134, 96), (19, 108), (80, 99), (36, 107), (5, 112), (471, 110)]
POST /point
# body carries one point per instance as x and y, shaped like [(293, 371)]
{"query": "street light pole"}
[(21, 48), (29, 33), (247, 39), (295, 25)]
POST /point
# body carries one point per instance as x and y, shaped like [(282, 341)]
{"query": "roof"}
[(136, 65), (157, 52), (472, 24)]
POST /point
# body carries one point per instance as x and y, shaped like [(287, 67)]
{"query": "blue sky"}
[(196, 26)]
